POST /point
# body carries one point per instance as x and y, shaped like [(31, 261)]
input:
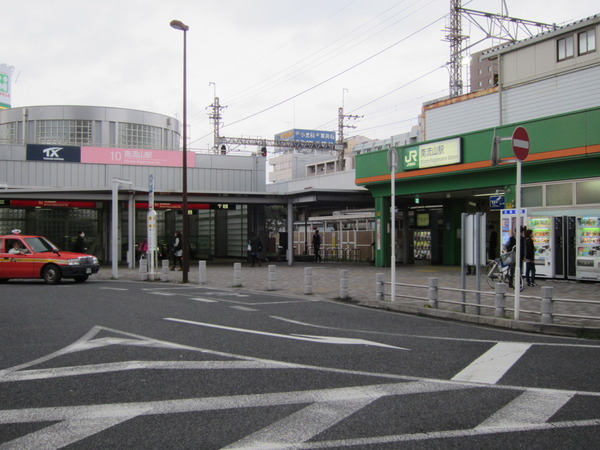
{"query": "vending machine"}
[(422, 245), (588, 248), (564, 249), (542, 235), (508, 222)]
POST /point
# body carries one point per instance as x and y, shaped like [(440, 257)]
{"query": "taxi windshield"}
[(39, 244)]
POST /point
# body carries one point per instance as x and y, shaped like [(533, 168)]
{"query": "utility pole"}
[(341, 126), (215, 117)]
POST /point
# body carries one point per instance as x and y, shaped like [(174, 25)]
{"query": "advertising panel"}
[(306, 136), (434, 154), (5, 80)]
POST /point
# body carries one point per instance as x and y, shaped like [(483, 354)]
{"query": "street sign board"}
[(497, 202), (520, 143)]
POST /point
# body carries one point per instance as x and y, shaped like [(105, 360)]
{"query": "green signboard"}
[(433, 154)]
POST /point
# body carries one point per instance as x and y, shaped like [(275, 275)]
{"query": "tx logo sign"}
[(52, 153), (46, 152)]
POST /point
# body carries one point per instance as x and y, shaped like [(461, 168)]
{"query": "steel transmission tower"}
[(498, 27), (215, 117), (340, 140)]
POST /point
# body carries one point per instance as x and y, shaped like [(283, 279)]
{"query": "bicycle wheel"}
[(493, 273)]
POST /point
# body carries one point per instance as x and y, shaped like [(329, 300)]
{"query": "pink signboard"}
[(135, 157)]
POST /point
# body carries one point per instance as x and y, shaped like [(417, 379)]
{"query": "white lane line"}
[(243, 308), (114, 289), (531, 407), (205, 300), (302, 425), (297, 337), (167, 294), (66, 433), (493, 364)]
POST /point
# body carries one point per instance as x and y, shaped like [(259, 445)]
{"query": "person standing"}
[(316, 241), (177, 251), (79, 246), (255, 249), (492, 243), (529, 259)]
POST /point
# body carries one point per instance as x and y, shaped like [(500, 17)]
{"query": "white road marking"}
[(244, 308), (493, 364), (531, 407), (326, 407), (205, 300), (298, 337), (167, 294), (113, 289)]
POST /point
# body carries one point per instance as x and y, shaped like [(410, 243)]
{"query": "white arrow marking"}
[(298, 337)]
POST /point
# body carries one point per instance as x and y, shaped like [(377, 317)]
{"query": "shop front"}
[(440, 180)]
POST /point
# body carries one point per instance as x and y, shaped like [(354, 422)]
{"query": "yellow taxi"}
[(26, 256)]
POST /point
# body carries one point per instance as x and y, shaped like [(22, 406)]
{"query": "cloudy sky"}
[(275, 64)]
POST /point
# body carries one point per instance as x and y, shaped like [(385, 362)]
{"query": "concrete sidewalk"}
[(411, 292)]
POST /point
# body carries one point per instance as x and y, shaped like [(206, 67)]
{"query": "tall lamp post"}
[(179, 25)]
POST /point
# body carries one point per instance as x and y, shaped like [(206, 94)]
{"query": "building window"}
[(65, 132), (587, 42), (8, 133), (565, 48), (135, 135)]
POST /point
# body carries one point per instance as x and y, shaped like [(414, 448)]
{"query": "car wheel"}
[(51, 274), (81, 278)]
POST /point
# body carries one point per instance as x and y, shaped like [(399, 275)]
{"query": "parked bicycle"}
[(498, 270)]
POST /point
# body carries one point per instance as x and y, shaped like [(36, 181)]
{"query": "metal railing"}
[(547, 310)]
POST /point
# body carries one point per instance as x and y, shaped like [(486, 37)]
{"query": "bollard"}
[(237, 274), (432, 292), (343, 284), (143, 270), (271, 277), (379, 287), (164, 275), (201, 272), (500, 299), (547, 305), (308, 288)]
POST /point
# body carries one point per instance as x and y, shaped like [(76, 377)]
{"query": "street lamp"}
[(179, 25)]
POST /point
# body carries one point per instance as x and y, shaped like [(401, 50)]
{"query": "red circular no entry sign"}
[(520, 143)]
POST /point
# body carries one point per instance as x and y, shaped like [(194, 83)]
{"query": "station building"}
[(548, 84)]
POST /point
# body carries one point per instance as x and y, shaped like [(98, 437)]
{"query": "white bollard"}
[(379, 287), (308, 288), (343, 284), (143, 270), (500, 299), (547, 305), (201, 272), (164, 275), (432, 292), (271, 277), (237, 274)]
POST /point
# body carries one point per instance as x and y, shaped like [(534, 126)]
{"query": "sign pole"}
[(517, 280), (393, 161), (521, 146)]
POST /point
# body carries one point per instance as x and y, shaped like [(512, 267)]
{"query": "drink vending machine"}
[(588, 247), (542, 234), (564, 248)]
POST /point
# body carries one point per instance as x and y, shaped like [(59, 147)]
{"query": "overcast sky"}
[(275, 64)]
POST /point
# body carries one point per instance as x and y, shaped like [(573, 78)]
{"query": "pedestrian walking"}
[(177, 251), (316, 241)]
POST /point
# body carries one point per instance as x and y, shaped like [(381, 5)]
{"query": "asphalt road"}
[(114, 364)]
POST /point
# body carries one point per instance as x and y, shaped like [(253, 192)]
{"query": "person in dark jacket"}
[(316, 242), (529, 258), (79, 246), (255, 249)]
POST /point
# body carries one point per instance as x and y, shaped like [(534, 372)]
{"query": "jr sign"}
[(433, 154)]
